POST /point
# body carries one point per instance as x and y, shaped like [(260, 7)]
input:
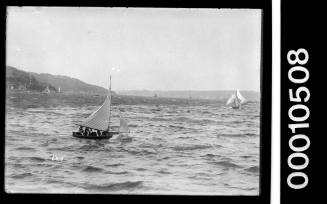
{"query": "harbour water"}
[(180, 148)]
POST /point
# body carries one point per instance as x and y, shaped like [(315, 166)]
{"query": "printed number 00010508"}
[(293, 58)]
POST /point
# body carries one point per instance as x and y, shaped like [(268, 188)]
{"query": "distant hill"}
[(68, 84), (22, 80), (211, 95), (38, 82)]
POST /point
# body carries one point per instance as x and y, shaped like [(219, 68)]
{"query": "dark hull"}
[(94, 137)]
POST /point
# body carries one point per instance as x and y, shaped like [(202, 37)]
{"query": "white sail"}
[(236, 99), (99, 120), (231, 99), (240, 97), (123, 125)]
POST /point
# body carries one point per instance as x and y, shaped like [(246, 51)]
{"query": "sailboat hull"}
[(94, 137)]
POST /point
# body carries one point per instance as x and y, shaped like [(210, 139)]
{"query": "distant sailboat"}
[(157, 108), (236, 100), (100, 121), (46, 90)]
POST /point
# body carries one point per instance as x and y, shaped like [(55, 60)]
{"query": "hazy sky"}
[(142, 48)]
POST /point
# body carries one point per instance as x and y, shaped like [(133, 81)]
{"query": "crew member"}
[(81, 129), (87, 131)]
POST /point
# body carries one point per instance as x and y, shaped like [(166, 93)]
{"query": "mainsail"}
[(240, 97), (231, 99), (99, 120)]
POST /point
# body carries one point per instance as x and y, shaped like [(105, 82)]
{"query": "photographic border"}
[(265, 106)]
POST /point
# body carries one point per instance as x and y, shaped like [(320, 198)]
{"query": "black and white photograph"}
[(144, 101)]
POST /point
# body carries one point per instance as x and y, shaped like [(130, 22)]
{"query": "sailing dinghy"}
[(100, 122), (236, 100)]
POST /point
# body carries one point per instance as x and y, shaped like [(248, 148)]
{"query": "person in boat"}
[(98, 133), (81, 130), (86, 132), (93, 133)]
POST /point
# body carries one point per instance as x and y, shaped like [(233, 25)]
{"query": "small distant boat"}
[(236, 100), (157, 107), (100, 121), (46, 90)]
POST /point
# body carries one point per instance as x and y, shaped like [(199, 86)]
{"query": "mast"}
[(109, 104)]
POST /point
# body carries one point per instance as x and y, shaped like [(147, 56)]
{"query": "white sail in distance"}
[(231, 99), (240, 97), (236, 98)]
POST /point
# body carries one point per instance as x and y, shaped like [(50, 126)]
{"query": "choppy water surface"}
[(181, 149)]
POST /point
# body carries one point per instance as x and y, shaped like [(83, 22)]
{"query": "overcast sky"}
[(142, 48)]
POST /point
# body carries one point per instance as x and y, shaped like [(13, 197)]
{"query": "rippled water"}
[(181, 149)]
